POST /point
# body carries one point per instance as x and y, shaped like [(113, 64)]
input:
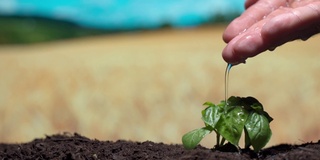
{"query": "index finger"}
[(252, 15)]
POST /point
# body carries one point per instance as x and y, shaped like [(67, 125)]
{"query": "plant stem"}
[(218, 139), (222, 141)]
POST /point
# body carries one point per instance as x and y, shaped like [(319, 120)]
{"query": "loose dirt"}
[(75, 146)]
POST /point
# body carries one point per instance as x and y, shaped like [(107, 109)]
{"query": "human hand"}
[(267, 24)]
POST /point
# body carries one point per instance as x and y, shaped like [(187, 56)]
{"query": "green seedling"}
[(229, 120)]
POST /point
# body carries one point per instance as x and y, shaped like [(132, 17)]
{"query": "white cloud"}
[(8, 6)]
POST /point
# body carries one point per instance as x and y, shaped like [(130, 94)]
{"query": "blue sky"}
[(124, 14)]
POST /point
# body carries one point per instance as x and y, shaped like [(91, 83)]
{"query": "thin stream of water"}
[(226, 81)]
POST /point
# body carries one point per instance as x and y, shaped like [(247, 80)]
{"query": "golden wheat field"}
[(151, 85)]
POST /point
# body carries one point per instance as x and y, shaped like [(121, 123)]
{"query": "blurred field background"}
[(149, 84)]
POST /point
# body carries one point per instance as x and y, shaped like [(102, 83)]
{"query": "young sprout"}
[(229, 120)]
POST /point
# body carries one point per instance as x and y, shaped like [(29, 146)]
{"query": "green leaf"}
[(222, 104), (258, 130), (267, 116), (191, 139), (208, 104), (257, 107), (231, 124), (234, 101), (211, 115), (250, 101)]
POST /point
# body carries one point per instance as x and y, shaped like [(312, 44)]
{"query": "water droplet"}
[(243, 31), (272, 48), (304, 38)]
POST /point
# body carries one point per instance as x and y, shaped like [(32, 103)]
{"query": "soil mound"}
[(75, 146)]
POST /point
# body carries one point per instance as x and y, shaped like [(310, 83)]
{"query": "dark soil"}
[(75, 146)]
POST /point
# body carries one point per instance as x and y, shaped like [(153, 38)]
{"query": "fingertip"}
[(227, 57), (226, 54), (230, 57), (243, 47)]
